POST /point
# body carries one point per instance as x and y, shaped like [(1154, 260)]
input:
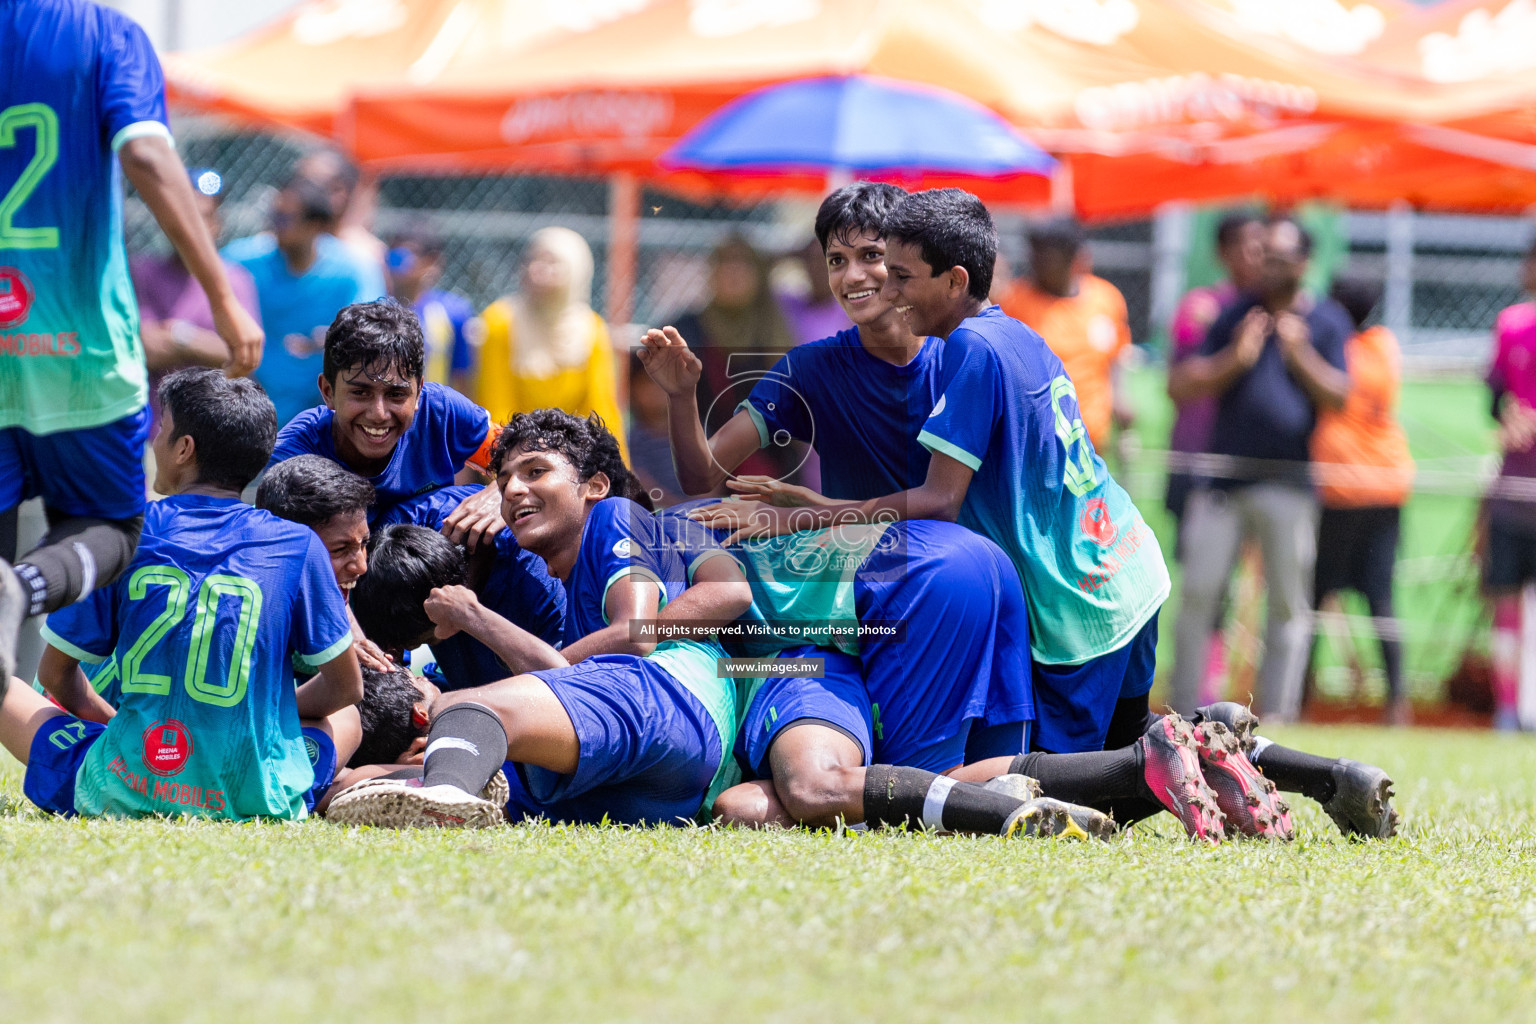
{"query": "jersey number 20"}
[(194, 677), (45, 125)]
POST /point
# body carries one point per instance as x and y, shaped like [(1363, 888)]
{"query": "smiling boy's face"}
[(372, 414), (929, 301), (346, 540), (856, 273), (545, 501)]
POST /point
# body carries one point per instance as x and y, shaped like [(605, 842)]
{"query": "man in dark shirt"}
[(1272, 359)]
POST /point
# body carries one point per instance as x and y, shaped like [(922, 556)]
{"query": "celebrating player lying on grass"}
[(510, 584), (204, 622), (381, 421), (643, 735), (81, 92)]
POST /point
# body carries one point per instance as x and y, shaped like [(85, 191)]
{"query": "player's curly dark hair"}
[(405, 563), (376, 338), (586, 443), (387, 711)]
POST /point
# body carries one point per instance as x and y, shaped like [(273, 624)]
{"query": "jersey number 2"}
[(194, 678), (45, 125)]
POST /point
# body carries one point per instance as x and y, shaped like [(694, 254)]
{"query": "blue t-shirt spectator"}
[(443, 317), (1266, 414), (296, 310)]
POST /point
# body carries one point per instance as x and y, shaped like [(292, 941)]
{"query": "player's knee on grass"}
[(22, 713), (818, 774), (539, 729)]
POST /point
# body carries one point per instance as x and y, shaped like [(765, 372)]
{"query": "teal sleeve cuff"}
[(633, 570), (57, 642), (311, 662), (138, 130), (757, 421), (943, 447)]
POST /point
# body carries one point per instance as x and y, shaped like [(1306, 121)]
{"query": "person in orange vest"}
[(1364, 475), (1081, 317)]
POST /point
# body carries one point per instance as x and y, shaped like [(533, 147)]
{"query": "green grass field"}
[(163, 921)]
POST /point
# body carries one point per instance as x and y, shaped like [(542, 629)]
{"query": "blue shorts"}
[(649, 748), (1076, 702), (838, 700), (322, 758), (963, 655), (96, 472), (1008, 739), (58, 751)]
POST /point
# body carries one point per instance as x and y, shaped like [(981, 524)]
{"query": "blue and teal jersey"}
[(221, 603), (1092, 571), (517, 586), (619, 540), (446, 432), (860, 413), (78, 81)]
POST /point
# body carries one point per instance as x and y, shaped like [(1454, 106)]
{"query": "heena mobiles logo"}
[(167, 746), (590, 114)]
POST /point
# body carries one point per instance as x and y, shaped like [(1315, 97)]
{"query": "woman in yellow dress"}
[(545, 347)]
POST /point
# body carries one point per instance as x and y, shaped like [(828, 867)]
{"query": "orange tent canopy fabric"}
[(301, 70)]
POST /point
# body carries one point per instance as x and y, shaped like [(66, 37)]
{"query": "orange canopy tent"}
[(300, 71), (1153, 99)]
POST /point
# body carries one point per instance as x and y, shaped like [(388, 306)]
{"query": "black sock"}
[(465, 747), (1091, 778), (402, 774), (1127, 811), (1296, 772), (77, 556), (923, 799), (1132, 718)]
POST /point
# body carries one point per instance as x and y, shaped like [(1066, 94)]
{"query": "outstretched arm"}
[(940, 497), (703, 463), (157, 172)]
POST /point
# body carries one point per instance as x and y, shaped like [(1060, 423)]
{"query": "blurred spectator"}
[(1081, 317), (1509, 562), (1240, 248), (816, 314), (300, 287), (1364, 475), (448, 321), (355, 201), (545, 346), (738, 335), (650, 449), (175, 320), (1272, 360)]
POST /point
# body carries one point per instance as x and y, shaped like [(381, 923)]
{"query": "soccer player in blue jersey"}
[(80, 94), (858, 397), (218, 600), (383, 422), (644, 734)]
